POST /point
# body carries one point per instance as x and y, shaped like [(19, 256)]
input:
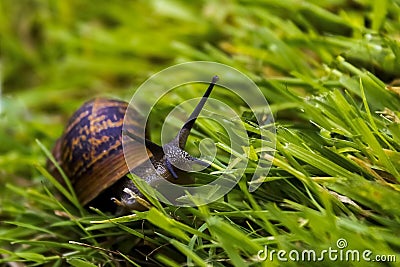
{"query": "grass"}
[(328, 69)]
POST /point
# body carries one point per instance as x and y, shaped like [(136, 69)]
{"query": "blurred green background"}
[(57, 54)]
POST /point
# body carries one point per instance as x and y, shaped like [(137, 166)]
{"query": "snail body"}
[(90, 152)]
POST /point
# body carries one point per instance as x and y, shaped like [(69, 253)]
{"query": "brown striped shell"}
[(90, 150), (90, 153)]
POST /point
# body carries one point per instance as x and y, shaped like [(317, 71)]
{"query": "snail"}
[(90, 153)]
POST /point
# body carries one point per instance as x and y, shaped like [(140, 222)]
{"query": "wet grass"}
[(328, 69)]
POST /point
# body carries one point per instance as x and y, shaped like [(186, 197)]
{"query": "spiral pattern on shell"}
[(90, 150)]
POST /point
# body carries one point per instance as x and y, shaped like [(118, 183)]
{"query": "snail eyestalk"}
[(170, 168), (185, 130)]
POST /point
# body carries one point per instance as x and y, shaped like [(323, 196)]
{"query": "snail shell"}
[(90, 152)]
